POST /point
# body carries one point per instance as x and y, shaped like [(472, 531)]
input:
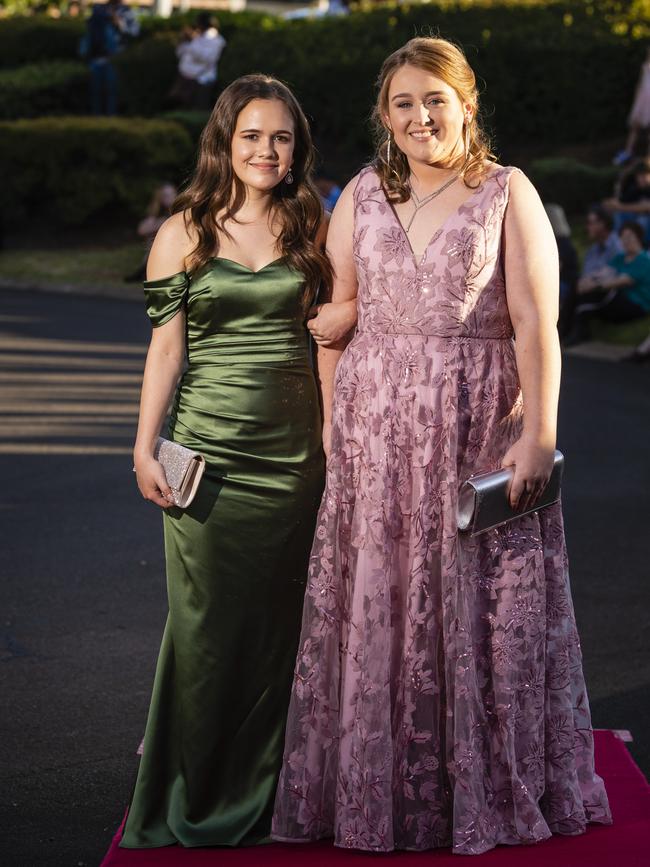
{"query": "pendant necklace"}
[(420, 203)]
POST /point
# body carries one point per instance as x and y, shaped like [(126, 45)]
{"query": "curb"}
[(599, 350)]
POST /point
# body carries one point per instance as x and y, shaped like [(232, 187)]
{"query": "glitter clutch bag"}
[(483, 501), (183, 469)]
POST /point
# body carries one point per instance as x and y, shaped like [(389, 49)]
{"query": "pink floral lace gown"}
[(438, 696)]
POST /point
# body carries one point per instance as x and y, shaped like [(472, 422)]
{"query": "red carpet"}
[(626, 843)]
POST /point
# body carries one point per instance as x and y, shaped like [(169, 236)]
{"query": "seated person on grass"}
[(620, 293), (632, 200), (605, 243)]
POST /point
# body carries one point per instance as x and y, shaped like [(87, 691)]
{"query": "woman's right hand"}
[(330, 322), (152, 482)]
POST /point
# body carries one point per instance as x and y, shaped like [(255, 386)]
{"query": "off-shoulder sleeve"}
[(164, 298)]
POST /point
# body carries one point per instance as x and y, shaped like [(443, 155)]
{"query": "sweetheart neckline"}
[(245, 267)]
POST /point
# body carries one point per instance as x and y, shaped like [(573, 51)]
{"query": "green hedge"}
[(43, 88), (554, 72), (571, 183), (72, 169), (37, 38), (229, 22), (192, 121), (31, 39), (146, 72), (544, 80)]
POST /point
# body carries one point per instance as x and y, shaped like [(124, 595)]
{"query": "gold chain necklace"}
[(420, 203)]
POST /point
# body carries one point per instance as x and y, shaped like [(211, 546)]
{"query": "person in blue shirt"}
[(624, 290), (109, 25), (605, 244), (328, 188)]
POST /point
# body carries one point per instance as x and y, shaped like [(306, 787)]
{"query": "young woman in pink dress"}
[(438, 696)]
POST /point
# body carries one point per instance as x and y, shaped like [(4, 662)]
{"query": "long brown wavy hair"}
[(446, 61), (215, 194)]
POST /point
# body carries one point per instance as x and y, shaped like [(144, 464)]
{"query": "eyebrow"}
[(285, 131), (430, 93)]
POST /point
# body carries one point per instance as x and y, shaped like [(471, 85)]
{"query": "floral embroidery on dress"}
[(438, 696)]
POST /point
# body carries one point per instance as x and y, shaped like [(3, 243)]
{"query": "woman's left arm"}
[(532, 290)]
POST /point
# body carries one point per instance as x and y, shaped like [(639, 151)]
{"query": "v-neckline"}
[(245, 267), (419, 261)]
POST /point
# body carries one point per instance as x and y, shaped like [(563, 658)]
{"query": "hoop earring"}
[(288, 178)]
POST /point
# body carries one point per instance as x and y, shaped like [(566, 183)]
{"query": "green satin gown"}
[(236, 558)]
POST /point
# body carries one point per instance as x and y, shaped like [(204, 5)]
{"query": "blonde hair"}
[(446, 61)]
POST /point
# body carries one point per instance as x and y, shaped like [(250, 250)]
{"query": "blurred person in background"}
[(327, 187), (639, 117), (632, 198), (198, 55), (568, 256), (160, 207), (605, 245), (619, 293), (125, 21), (109, 26), (74, 9), (98, 46)]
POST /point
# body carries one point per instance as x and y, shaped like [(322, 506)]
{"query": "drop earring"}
[(288, 178), (467, 138), (388, 149)]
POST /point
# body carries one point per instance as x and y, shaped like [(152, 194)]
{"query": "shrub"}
[(31, 39), (38, 38), (192, 121), (545, 81), (71, 169), (556, 72), (146, 72), (572, 184), (43, 88), (229, 22)]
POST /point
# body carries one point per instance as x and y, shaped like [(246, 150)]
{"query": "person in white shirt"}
[(197, 63)]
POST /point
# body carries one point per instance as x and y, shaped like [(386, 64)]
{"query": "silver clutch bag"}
[(183, 469), (483, 499)]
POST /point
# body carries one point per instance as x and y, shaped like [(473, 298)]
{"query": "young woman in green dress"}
[(232, 275)]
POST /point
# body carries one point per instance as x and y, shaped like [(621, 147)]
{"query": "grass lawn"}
[(627, 334), (72, 266)]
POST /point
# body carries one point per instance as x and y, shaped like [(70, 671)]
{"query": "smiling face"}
[(263, 143), (426, 117)]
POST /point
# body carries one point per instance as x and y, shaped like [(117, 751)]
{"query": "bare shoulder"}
[(525, 214), (347, 196), (343, 212), (173, 244), (522, 191), (178, 230)]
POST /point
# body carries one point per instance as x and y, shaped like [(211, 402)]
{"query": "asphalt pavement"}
[(82, 587)]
